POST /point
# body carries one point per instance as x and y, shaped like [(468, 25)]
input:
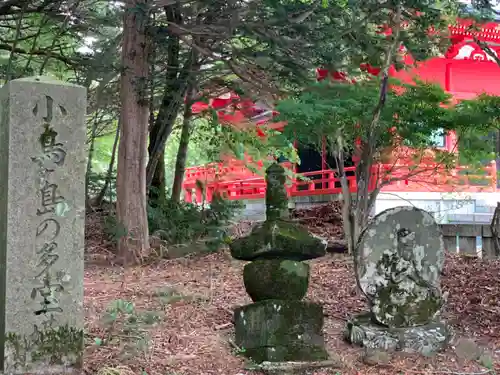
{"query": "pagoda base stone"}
[(425, 339), (280, 331)]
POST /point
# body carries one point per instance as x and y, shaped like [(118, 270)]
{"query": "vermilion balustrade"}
[(430, 178)]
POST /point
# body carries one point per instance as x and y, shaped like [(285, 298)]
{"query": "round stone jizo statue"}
[(400, 258)]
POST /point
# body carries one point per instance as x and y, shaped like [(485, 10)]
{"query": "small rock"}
[(467, 349), (373, 357)]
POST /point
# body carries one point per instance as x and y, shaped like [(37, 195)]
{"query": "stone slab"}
[(426, 339), (381, 237), (42, 210), (277, 330), (401, 255), (278, 239)]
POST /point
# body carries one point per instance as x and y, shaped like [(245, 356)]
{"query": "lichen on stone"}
[(278, 239), (401, 256), (291, 332), (278, 326), (276, 279), (276, 196), (45, 347)]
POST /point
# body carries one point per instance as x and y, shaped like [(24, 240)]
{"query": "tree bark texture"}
[(109, 174), (180, 162), (173, 98), (132, 149), (90, 159), (157, 192)]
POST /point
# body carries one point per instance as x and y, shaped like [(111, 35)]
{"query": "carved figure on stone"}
[(399, 259), (402, 295)]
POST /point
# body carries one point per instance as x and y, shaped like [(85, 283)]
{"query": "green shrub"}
[(178, 223)]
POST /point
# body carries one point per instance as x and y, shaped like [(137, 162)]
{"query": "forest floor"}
[(175, 316)]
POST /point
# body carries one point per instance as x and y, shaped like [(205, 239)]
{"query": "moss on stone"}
[(278, 239), (61, 346), (425, 339), (293, 325), (276, 279), (406, 299), (276, 196), (292, 353)]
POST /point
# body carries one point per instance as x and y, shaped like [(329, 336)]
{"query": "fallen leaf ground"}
[(183, 310)]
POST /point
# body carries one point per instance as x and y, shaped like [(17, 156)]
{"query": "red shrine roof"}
[(464, 71)]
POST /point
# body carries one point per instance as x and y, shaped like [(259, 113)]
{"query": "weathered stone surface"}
[(278, 239), (400, 259), (276, 279), (468, 349), (276, 196), (42, 209), (375, 357), (401, 255), (277, 330), (278, 327), (426, 339)]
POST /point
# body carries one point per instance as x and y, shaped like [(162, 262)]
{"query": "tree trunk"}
[(180, 163), (495, 231), (109, 174), (132, 149), (497, 156), (173, 97), (157, 192), (90, 158)]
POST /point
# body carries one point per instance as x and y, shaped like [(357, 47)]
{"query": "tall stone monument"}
[(400, 256), (42, 214), (278, 326)]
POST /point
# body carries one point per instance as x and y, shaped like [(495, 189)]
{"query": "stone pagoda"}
[(278, 326), (399, 259)]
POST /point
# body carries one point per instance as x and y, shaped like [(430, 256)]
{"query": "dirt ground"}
[(175, 317)]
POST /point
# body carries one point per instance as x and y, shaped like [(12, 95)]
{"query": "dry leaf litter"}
[(193, 299)]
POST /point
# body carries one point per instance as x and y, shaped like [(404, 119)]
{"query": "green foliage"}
[(203, 147), (114, 229), (54, 345), (247, 146), (168, 296), (180, 223), (96, 181), (477, 123), (346, 110), (126, 327)]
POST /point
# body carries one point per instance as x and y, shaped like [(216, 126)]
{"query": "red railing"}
[(394, 178)]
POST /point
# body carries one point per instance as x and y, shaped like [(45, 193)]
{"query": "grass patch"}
[(168, 296), (127, 328)]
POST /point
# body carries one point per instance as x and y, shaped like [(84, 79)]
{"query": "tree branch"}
[(38, 52)]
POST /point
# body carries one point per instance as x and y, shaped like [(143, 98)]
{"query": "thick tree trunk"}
[(180, 163), (132, 149)]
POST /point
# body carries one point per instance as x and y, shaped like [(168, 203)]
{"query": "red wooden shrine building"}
[(464, 71)]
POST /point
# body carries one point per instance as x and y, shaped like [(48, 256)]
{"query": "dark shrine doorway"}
[(312, 160), (331, 163)]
